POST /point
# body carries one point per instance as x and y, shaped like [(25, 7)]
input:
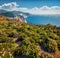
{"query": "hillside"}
[(22, 40), (13, 14)]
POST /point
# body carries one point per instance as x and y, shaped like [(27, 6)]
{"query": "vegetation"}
[(19, 39)]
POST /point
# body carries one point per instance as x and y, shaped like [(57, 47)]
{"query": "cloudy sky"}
[(39, 7)]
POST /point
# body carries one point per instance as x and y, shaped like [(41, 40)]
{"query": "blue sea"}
[(44, 19)]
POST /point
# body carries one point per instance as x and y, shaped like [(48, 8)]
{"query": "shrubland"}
[(19, 39)]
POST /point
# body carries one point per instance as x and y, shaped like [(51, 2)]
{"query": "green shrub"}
[(49, 45), (2, 40), (58, 44), (22, 36), (12, 34), (29, 50), (43, 55)]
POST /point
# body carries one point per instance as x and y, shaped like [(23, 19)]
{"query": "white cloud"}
[(9, 6), (23, 9), (55, 7), (44, 10)]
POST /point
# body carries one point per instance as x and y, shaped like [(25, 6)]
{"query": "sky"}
[(40, 7)]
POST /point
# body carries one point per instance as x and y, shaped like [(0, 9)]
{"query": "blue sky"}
[(33, 3), (32, 6)]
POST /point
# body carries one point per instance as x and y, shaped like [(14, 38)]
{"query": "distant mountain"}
[(2, 11), (8, 14), (13, 14)]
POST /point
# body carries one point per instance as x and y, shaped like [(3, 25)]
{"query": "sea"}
[(44, 19)]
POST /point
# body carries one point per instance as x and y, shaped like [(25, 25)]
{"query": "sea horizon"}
[(44, 19)]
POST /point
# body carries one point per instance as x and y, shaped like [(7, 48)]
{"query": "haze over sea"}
[(44, 19)]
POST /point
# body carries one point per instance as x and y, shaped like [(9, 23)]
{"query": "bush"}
[(58, 44), (12, 34), (54, 36), (29, 50), (49, 45), (43, 55), (6, 50), (2, 40), (22, 36)]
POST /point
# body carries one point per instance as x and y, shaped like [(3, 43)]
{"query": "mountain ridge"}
[(14, 14)]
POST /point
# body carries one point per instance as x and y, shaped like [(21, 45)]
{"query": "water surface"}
[(44, 19)]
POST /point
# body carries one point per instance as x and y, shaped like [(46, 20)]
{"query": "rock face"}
[(20, 19), (10, 19)]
